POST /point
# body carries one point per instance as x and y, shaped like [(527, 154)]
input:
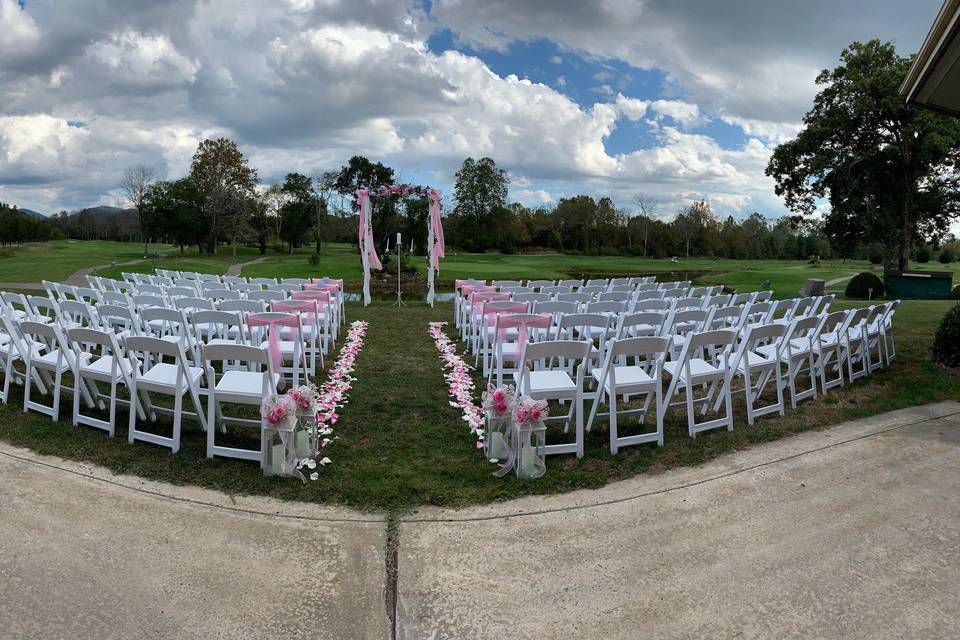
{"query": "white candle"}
[(277, 457), (302, 444), (498, 446)]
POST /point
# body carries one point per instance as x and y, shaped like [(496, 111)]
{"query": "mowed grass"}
[(57, 261), (400, 444)]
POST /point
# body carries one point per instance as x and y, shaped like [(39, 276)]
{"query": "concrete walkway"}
[(850, 532), (236, 269)]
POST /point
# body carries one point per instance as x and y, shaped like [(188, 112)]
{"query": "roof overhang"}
[(933, 80)]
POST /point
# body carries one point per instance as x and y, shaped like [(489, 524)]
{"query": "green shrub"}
[(314, 261), (875, 254), (861, 284), (946, 342), (947, 256), (955, 294), (923, 254)]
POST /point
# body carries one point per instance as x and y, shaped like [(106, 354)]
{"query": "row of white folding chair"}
[(136, 362), (149, 315), (755, 351)]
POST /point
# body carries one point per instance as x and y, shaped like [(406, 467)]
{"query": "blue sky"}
[(674, 101)]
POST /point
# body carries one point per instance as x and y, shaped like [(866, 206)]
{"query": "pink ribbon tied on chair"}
[(273, 323), (459, 284), (331, 287), (522, 325), (322, 298)]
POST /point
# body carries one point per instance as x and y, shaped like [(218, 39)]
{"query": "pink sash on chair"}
[(329, 287), (322, 298), (273, 335), (490, 315), (523, 326), (468, 290)]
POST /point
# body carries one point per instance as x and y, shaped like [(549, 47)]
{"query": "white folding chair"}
[(149, 373), (247, 384), (704, 361), (618, 378), (751, 360), (544, 375), (795, 350), (827, 348), (99, 359), (47, 356)]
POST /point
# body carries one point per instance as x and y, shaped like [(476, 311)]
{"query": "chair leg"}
[(613, 422)]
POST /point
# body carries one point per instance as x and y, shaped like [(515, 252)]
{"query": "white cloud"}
[(533, 197), (556, 60), (633, 108), (18, 32), (684, 113)]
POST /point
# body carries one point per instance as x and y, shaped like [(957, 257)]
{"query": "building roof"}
[(933, 80)]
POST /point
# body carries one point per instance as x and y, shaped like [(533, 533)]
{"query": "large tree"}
[(297, 211), (361, 173), (173, 210), (480, 189), (224, 177), (135, 184), (888, 170)]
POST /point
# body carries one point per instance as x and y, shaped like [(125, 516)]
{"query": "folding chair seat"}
[(619, 378), (247, 381), (704, 361), (545, 375), (149, 373)]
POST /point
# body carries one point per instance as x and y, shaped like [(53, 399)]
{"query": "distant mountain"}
[(33, 214), (103, 211)]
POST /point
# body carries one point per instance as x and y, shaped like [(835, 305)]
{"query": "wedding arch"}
[(368, 249)]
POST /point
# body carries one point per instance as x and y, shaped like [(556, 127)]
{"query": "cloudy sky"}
[(677, 100)]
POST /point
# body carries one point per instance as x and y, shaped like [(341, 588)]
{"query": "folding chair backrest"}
[(653, 304), (803, 307), (245, 287), (674, 293), (555, 307), (592, 289), (77, 312), (114, 297), (648, 294), (719, 300), (782, 309), (598, 282), (43, 307), (833, 321), (606, 307), (757, 311), (687, 303), (555, 290), (824, 305), (726, 317), (266, 296), (263, 281), (152, 289), (149, 345), (531, 297), (142, 300), (115, 317), (550, 349), (85, 336), (641, 323), (17, 302), (221, 294), (186, 283), (656, 346), (300, 281), (570, 283), (540, 284), (193, 304), (689, 320), (162, 321), (234, 280), (570, 323), (763, 296), (581, 298), (614, 296), (241, 306)]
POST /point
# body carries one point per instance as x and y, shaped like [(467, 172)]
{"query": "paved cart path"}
[(852, 531)]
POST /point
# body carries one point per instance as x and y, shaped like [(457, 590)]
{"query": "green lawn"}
[(400, 443)]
